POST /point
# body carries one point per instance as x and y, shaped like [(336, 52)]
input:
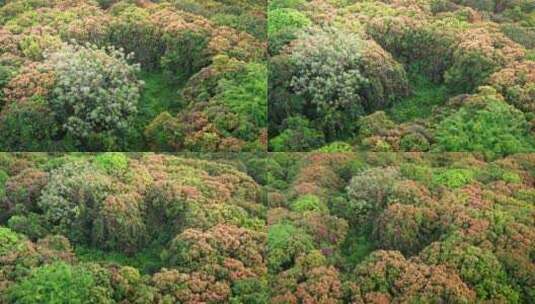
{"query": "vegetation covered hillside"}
[(402, 75), (132, 75), (277, 228)]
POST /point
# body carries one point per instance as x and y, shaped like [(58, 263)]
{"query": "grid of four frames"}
[(267, 151)]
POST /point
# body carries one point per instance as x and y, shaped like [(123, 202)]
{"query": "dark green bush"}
[(185, 54), (28, 126), (298, 136)]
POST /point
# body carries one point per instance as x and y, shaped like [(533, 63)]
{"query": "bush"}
[(453, 178), (112, 162), (377, 123), (9, 241), (478, 267), (414, 142), (244, 93), (31, 225), (6, 73), (479, 54), (96, 90), (517, 85), (55, 283), (70, 198), (298, 136), (420, 283), (282, 101), (328, 75), (344, 77), (23, 190), (117, 223), (250, 291), (277, 4), (336, 147), (279, 40), (131, 30), (485, 123), (405, 228), (285, 243), (307, 203), (29, 126), (286, 19), (368, 193), (185, 55), (164, 133), (3, 178)]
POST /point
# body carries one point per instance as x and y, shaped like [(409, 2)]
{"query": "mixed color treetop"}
[(128, 75), (402, 75), (294, 228)]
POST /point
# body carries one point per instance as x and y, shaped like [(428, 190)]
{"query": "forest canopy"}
[(129, 75), (270, 228), (402, 75)]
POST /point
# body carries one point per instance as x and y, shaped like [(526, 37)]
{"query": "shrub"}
[(478, 267), (279, 40), (517, 85), (368, 193), (399, 34), (453, 178), (9, 241), (405, 228), (484, 123), (96, 90), (69, 199), (164, 133), (336, 147), (277, 4), (31, 225), (250, 291), (28, 126), (309, 202), (344, 77), (285, 243), (112, 162), (298, 136), (117, 223), (6, 73), (223, 247), (377, 123), (286, 19), (421, 283), (55, 283), (244, 92), (3, 178), (479, 54), (23, 190), (132, 30), (414, 142), (186, 53), (282, 101), (522, 35)]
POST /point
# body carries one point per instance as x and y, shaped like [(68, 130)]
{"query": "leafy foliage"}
[(485, 123), (406, 59), (57, 282), (333, 227), (83, 61)]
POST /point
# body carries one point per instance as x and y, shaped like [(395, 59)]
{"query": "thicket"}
[(271, 228), (407, 63), (104, 74)]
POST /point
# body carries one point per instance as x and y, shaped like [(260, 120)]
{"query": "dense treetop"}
[(278, 228), (132, 75), (412, 68)]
